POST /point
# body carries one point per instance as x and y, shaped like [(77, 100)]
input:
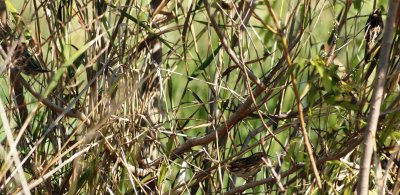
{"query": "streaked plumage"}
[(226, 4), (373, 28), (25, 61), (247, 167)]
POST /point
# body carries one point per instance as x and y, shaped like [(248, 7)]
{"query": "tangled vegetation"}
[(170, 97)]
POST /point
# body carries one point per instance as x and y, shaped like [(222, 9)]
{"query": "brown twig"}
[(297, 96), (242, 111), (52, 106)]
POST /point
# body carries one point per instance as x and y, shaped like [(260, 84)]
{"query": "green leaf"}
[(206, 63), (312, 94), (343, 100), (327, 82), (68, 63), (86, 176), (10, 7), (319, 65), (357, 4), (163, 172)]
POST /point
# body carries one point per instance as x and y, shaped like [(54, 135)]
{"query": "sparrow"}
[(247, 167), (373, 28), (25, 61)]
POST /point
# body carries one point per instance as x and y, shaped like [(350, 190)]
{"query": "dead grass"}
[(158, 98)]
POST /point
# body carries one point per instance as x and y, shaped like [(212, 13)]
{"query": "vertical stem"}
[(379, 84), (297, 96)]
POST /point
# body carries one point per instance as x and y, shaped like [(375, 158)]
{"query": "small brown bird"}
[(247, 167), (226, 4), (26, 61), (373, 28)]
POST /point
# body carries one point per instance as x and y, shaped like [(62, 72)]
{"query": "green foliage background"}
[(140, 112)]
